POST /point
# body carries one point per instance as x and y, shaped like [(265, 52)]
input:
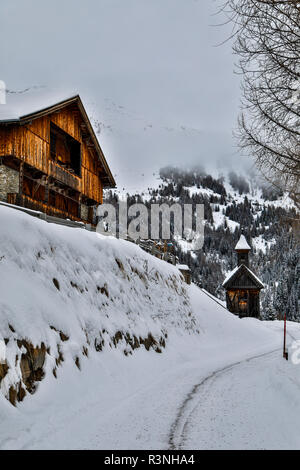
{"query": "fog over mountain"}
[(158, 88)]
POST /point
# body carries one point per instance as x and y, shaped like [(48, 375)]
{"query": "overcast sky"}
[(147, 70)]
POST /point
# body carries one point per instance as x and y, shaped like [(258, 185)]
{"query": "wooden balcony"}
[(64, 176), (26, 201)]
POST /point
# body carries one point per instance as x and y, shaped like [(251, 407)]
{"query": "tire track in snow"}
[(191, 402)]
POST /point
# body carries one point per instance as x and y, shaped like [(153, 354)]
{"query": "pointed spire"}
[(242, 244)]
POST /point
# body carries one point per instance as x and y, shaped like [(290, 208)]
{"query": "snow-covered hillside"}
[(66, 291), (232, 203), (112, 342)]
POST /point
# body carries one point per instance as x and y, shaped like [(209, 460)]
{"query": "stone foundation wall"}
[(84, 212), (9, 181), (94, 214)]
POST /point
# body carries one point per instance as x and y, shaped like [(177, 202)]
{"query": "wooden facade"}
[(61, 167), (243, 287), (242, 295), (186, 272)]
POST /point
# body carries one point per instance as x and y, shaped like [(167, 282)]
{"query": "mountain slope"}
[(233, 203)]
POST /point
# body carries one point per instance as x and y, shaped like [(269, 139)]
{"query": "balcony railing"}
[(26, 201), (64, 176)]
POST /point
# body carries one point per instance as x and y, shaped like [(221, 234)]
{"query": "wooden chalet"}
[(242, 285), (186, 272), (51, 160)]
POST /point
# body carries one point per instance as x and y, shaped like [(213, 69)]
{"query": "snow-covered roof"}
[(183, 267), (229, 276), (20, 105), (255, 277), (242, 244), (236, 269)]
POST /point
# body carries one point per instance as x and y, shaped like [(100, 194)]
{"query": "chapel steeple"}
[(242, 285), (242, 248)]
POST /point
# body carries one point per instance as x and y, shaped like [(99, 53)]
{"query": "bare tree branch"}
[(267, 43)]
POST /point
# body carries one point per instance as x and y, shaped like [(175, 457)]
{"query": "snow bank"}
[(66, 291)]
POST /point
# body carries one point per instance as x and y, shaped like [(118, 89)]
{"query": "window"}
[(65, 150)]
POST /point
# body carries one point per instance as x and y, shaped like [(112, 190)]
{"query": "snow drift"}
[(65, 291)]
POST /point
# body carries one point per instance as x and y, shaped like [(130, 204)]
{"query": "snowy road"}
[(227, 387), (252, 404), (230, 403)]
